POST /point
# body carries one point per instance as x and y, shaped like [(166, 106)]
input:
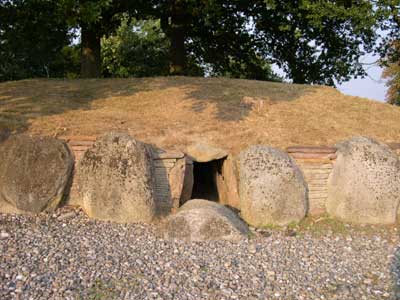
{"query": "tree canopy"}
[(31, 40), (313, 41), (138, 48)]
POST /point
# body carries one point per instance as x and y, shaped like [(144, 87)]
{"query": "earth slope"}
[(173, 112)]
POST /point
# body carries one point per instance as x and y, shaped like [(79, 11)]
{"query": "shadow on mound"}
[(26, 100)]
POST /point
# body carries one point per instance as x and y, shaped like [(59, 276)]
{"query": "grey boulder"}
[(272, 189), (364, 186), (34, 173), (202, 220), (114, 180)]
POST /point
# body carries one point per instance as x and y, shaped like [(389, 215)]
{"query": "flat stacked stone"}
[(316, 164)]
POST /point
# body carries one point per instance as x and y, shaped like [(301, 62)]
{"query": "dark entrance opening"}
[(205, 180)]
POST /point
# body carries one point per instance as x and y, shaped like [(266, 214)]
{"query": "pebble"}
[(4, 235), (68, 256)]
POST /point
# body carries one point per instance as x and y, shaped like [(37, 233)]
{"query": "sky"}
[(372, 86)]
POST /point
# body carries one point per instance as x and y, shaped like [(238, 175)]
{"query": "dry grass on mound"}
[(173, 112)]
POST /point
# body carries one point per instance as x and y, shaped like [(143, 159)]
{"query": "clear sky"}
[(372, 86)]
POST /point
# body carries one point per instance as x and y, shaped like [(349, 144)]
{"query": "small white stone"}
[(368, 281), (19, 277), (4, 235), (252, 249), (270, 273)]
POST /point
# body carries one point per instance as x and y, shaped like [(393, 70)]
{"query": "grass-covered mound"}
[(172, 112)]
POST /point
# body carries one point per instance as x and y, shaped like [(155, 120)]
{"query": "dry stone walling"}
[(34, 173), (316, 164), (271, 187), (364, 186), (114, 180)]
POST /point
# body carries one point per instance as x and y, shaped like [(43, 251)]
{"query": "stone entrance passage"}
[(205, 176)]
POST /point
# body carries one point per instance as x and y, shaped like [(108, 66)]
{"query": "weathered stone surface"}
[(176, 180), (114, 180), (202, 152), (271, 187), (364, 186), (200, 220), (227, 183), (201, 203), (187, 182), (34, 173)]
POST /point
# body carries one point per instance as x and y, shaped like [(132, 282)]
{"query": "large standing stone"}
[(34, 173), (271, 187), (114, 180), (201, 220), (364, 186)]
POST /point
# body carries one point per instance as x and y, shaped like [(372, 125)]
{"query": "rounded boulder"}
[(114, 180), (34, 173), (364, 186), (202, 220), (272, 189)]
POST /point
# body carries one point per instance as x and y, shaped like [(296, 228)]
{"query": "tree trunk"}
[(90, 53), (177, 50), (298, 77), (177, 40)]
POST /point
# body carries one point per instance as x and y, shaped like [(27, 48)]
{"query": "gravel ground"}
[(68, 256)]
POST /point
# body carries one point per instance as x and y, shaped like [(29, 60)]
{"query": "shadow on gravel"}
[(395, 271)]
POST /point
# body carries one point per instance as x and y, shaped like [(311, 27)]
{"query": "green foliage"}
[(389, 48), (255, 68), (221, 38), (31, 40), (70, 60), (388, 16), (216, 37), (138, 48), (313, 41), (88, 12), (316, 41)]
